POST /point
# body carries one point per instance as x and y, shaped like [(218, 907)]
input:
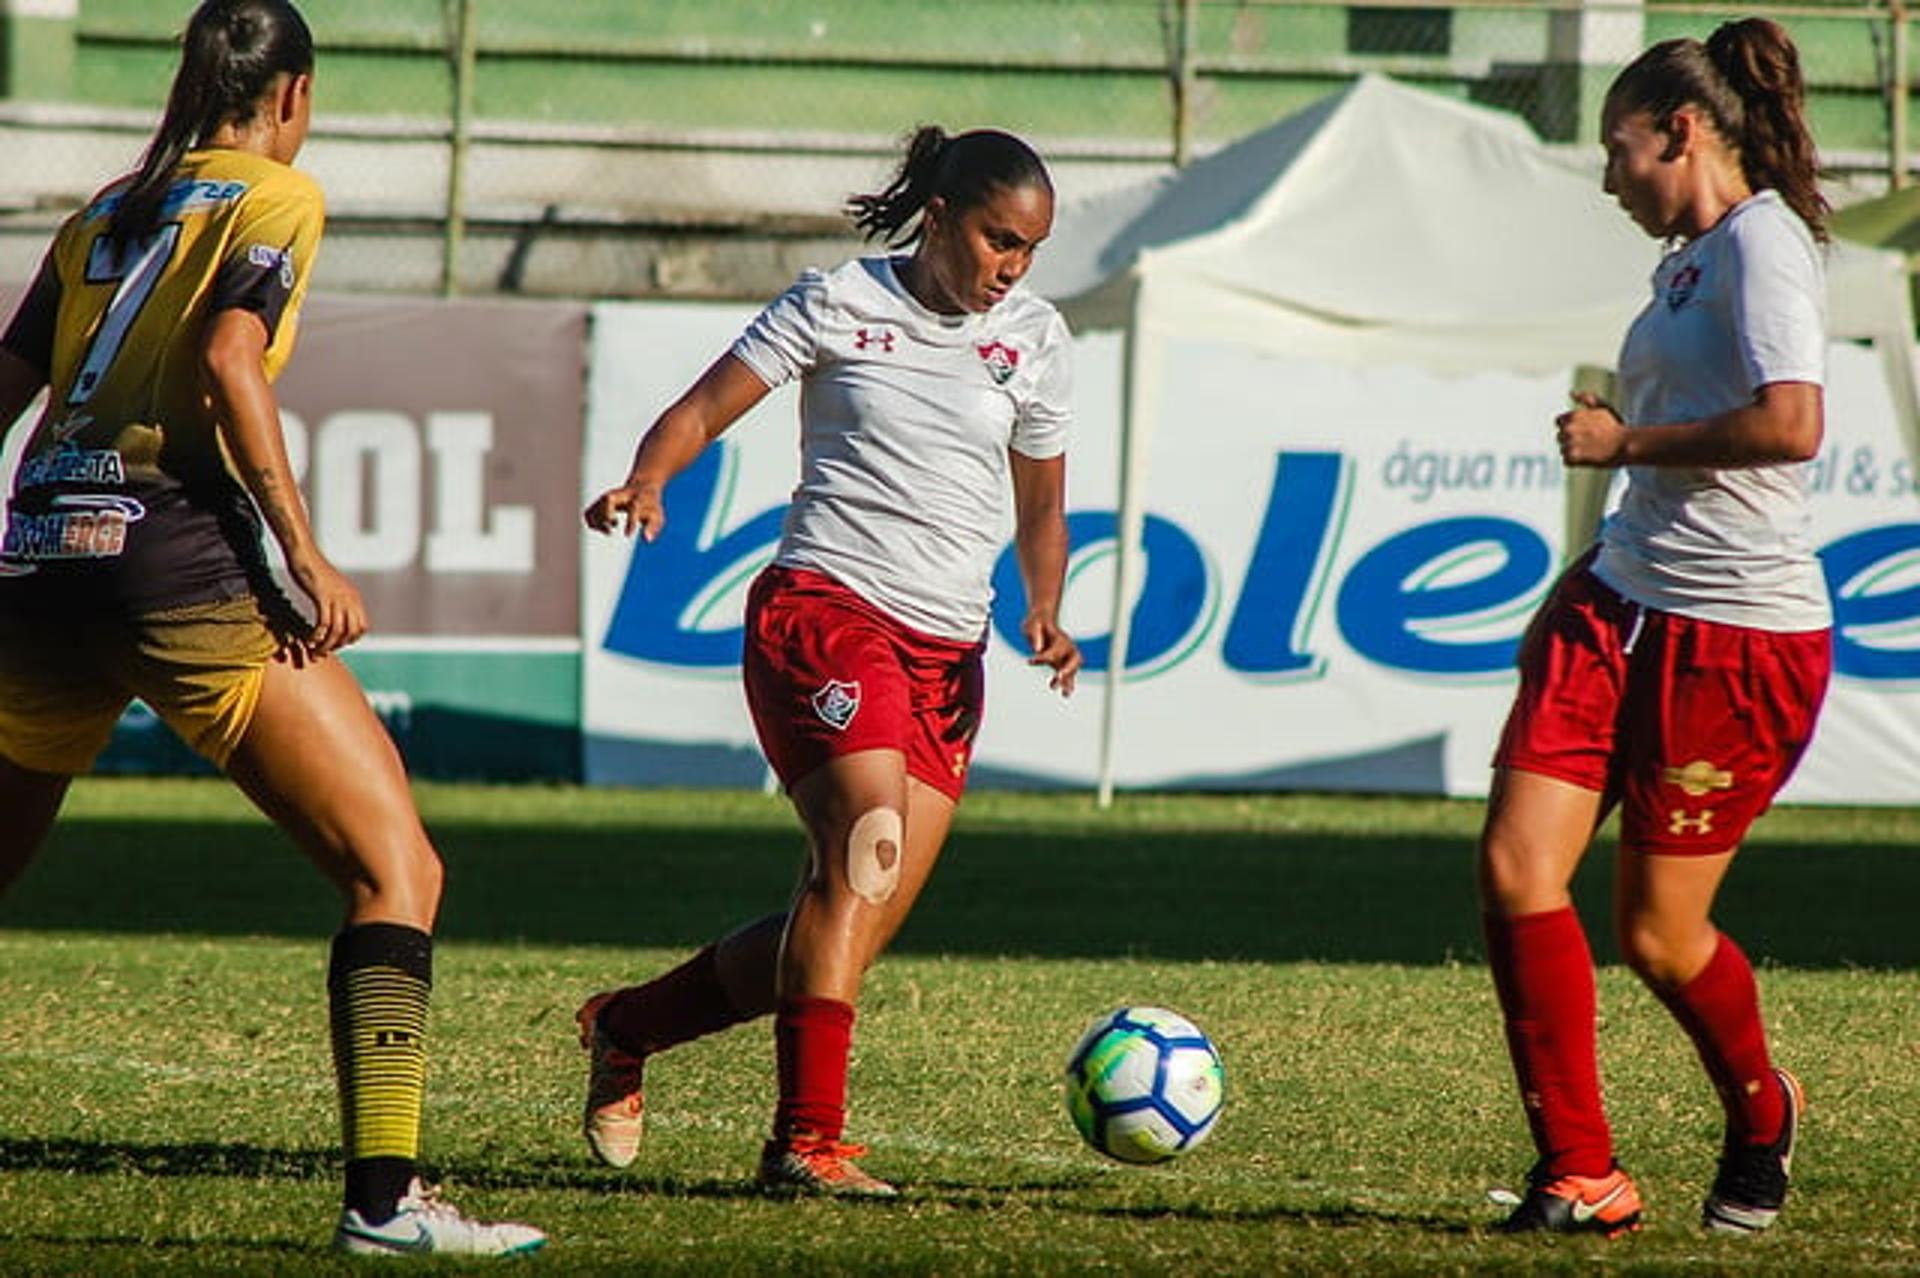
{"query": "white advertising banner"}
[(1338, 565)]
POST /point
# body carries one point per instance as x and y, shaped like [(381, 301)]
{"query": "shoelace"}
[(1750, 1173), (815, 1147), (425, 1199)]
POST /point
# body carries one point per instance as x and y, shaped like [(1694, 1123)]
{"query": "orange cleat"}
[(816, 1165), (612, 1123)]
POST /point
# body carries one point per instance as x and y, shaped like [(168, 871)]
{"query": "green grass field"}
[(166, 1102)]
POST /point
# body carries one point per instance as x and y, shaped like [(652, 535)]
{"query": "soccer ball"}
[(1144, 1084)]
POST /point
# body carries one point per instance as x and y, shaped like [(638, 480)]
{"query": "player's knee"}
[(1656, 956), (404, 881), (1512, 877), (873, 855)]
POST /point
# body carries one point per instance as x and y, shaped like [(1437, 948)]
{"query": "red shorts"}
[(1691, 726), (829, 674)]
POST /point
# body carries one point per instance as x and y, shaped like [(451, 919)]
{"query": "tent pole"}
[(1897, 95), (1131, 518), (1185, 82)]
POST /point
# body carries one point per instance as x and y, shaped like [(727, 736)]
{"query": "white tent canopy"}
[(1383, 226)]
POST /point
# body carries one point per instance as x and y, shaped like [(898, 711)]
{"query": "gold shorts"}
[(65, 681)]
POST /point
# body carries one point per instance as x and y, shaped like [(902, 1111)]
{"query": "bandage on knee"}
[(873, 855)]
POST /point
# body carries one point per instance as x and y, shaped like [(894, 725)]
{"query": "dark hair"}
[(962, 170), (230, 53), (1746, 77)]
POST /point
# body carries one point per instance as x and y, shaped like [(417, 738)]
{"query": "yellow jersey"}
[(124, 497)]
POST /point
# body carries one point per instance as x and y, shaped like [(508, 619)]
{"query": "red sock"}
[(1720, 1010), (1543, 972), (673, 1008), (812, 1037)]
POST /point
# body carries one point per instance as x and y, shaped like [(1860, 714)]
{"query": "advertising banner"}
[(1339, 563)]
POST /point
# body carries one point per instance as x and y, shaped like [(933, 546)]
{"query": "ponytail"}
[(883, 214), (962, 170), (230, 54), (1747, 80), (1757, 59)]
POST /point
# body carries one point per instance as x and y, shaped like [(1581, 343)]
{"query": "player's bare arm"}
[(1784, 423), (721, 396), (1040, 545), (249, 420)]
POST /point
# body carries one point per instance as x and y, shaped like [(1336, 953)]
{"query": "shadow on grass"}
[(69, 1157), (1156, 895), (207, 1159)]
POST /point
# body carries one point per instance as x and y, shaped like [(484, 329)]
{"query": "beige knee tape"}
[(873, 855)]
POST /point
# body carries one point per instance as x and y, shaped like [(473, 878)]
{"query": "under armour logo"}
[(882, 338), (1680, 821), (395, 1038), (1698, 778)]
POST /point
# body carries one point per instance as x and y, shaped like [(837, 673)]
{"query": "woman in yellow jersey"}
[(132, 564)]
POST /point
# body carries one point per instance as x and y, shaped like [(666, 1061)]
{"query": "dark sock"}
[(675, 1007)]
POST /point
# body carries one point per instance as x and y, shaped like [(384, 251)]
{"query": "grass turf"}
[(166, 1101)]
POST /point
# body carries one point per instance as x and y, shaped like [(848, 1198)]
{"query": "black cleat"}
[(1751, 1185)]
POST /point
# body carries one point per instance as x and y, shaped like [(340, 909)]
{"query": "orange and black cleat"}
[(1608, 1205), (815, 1165)]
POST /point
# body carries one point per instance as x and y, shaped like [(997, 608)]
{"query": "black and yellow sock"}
[(377, 987)]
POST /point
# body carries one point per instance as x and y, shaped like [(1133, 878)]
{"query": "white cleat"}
[(426, 1226)]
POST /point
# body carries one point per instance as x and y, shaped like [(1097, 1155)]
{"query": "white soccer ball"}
[(1144, 1084)]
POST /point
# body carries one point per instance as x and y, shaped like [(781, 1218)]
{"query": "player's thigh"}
[(854, 808), (317, 760), (30, 799), (929, 819), (1537, 830)]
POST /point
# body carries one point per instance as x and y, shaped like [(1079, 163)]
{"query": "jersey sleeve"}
[(30, 333), (1045, 420), (269, 255), (1779, 304), (783, 342)]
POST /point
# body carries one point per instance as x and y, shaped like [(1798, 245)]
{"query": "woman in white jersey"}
[(931, 389), (1678, 669)]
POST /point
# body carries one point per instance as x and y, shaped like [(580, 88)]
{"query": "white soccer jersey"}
[(906, 417), (1740, 307)]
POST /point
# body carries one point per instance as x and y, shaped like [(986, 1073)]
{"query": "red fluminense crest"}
[(1002, 360), (1681, 288)]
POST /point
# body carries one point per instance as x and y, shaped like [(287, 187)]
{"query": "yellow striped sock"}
[(378, 1002)]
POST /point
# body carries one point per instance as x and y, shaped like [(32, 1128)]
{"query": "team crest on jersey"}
[(875, 337), (1698, 778), (1002, 360), (1683, 285), (837, 702)]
